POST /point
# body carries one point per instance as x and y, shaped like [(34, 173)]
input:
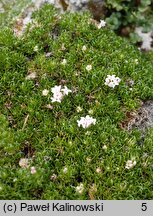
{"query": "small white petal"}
[(104, 147), (136, 61), (24, 162), (84, 48), (79, 109), (65, 90), (56, 89), (130, 164), (35, 49), (33, 170), (89, 67), (101, 24), (88, 159), (65, 170), (64, 61), (53, 177), (80, 188), (45, 92), (54, 99), (91, 111), (98, 170)]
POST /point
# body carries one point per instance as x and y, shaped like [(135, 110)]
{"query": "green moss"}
[(51, 137), (10, 10)]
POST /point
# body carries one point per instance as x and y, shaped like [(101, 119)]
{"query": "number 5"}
[(144, 207)]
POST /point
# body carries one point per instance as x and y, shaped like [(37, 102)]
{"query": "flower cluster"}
[(86, 121), (130, 164), (24, 163), (112, 81), (59, 93)]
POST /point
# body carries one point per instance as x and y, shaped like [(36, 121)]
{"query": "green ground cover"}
[(11, 9), (46, 133)]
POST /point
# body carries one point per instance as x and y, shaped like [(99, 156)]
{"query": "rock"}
[(146, 39), (141, 119)]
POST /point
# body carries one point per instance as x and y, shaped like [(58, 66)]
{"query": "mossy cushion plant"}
[(60, 117), (10, 9)]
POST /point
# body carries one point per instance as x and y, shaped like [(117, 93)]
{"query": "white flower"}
[(86, 121), (136, 61), (84, 48), (80, 188), (130, 164), (56, 89), (65, 170), (64, 61), (24, 162), (35, 49), (104, 147), (112, 81), (45, 92), (91, 111), (88, 133), (117, 80), (79, 109), (65, 90), (98, 170), (33, 170), (101, 24), (58, 93), (57, 97), (53, 177), (88, 67)]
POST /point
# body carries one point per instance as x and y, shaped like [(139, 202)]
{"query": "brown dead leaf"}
[(92, 192)]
